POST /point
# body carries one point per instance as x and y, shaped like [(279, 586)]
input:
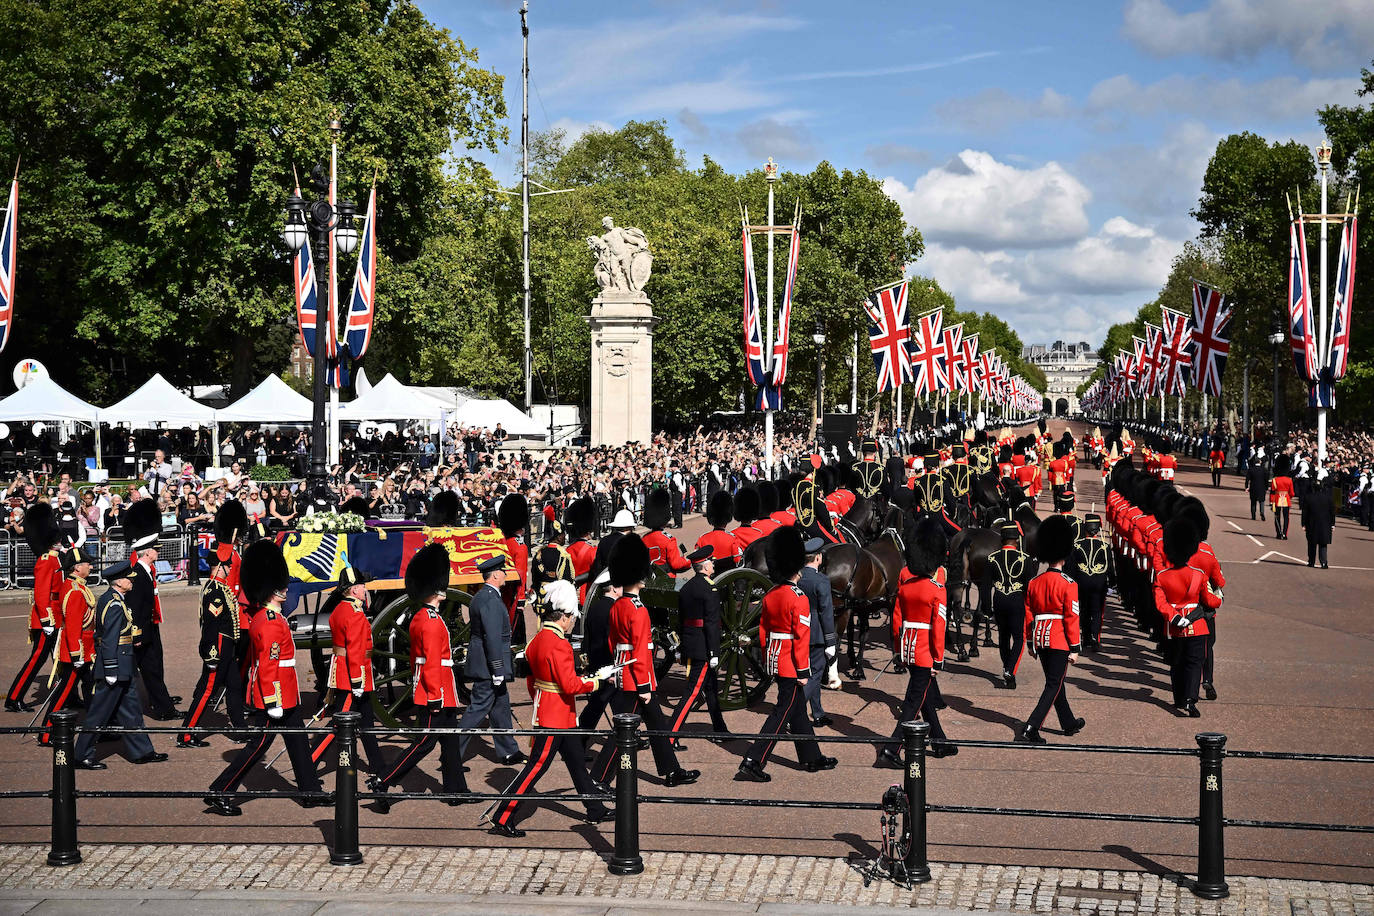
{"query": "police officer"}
[(490, 664), (220, 631), (824, 641), (1006, 574), (1091, 566), (699, 612)]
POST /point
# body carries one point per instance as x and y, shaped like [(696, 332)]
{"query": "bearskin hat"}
[(1041, 423), (1146, 489), (443, 511), (580, 518), (1054, 539), (1282, 465), (1166, 497), (231, 522), (1164, 446), (785, 553), (824, 478), (980, 437), (630, 561), (142, 524), (747, 505), (427, 572), (1180, 541), (1191, 508), (356, 505), (768, 498), (514, 514), (720, 509), (926, 547), (658, 509), (1060, 449), (1004, 455), (785, 492), (903, 498), (40, 528), (853, 479), (263, 572)]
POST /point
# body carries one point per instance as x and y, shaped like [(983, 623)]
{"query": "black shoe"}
[(1310, 564), (505, 830), (1030, 735), (643, 743), (825, 763), (988, 643), (154, 757), (221, 805), (90, 763), (598, 817), (175, 700), (1208, 690), (889, 759), (192, 742), (320, 800), (973, 650), (1191, 711), (1324, 566), (455, 802), (942, 749), (17, 706), (751, 770), (375, 784), (1008, 681), (1076, 727), (681, 777), (941, 704), (821, 721), (511, 760)]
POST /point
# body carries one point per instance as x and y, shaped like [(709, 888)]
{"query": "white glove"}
[(358, 692), (829, 651), (498, 680), (275, 712), (713, 661), (605, 672), (111, 680), (48, 630), (78, 663)]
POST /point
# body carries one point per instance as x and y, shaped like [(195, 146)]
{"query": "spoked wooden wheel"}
[(743, 680), (391, 669)]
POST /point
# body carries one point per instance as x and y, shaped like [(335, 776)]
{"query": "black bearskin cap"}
[(427, 572), (1060, 449), (358, 506), (1165, 446), (720, 509), (142, 519), (263, 571), (746, 505), (443, 510), (579, 519), (980, 437), (768, 498), (926, 547), (513, 515), (1004, 455), (784, 489), (629, 561), (1180, 541), (895, 472), (785, 552), (1191, 508), (40, 528), (1054, 539), (1041, 423), (1282, 465), (231, 522), (1166, 497), (658, 509)]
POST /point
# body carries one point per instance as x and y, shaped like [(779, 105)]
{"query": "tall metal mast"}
[(525, 199)]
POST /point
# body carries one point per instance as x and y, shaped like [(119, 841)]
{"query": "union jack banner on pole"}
[(1210, 329), (360, 309), (1300, 329), (1341, 307), (1178, 352), (1153, 356), (1137, 367), (985, 373), (928, 354), (954, 374), (9, 259), (781, 344), (307, 295), (753, 327), (968, 356), (888, 330)]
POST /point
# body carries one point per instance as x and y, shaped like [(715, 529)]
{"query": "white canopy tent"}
[(483, 412), (46, 400), (157, 402), (273, 401), (390, 400)]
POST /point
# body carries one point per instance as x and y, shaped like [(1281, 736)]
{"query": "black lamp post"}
[(818, 338), (312, 221), (1277, 339)]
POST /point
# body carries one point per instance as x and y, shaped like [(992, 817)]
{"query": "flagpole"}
[(854, 375), (527, 357), (1323, 345), (770, 174)]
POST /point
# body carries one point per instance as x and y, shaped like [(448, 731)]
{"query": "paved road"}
[(1294, 671)]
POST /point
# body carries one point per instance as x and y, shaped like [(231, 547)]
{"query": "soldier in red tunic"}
[(747, 508), (785, 637), (1280, 496), (664, 550), (350, 679), (44, 537), (1052, 628), (272, 688), (1185, 602), (72, 657), (1205, 559), (513, 517), (725, 548), (554, 684)]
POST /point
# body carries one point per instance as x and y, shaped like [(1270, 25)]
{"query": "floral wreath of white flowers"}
[(331, 523)]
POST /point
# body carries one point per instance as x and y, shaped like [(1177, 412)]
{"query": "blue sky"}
[(1048, 152)]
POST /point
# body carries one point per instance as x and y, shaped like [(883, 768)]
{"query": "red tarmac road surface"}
[(1294, 673)]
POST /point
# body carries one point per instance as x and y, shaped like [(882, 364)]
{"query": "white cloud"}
[(995, 109), (1159, 180), (977, 202), (890, 71), (573, 129), (1327, 35), (1122, 256), (1282, 98)]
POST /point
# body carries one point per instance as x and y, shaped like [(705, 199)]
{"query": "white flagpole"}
[(770, 173), (1324, 159), (854, 376)]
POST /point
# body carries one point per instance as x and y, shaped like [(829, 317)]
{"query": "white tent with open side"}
[(48, 401), (273, 401), (489, 412), (156, 401), (390, 400)]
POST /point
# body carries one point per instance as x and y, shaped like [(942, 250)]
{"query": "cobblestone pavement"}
[(299, 879)]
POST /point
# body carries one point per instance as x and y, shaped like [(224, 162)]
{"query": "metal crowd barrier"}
[(1210, 820), (174, 548)]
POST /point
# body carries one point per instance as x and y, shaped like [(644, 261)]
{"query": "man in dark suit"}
[(142, 528), (1319, 518), (490, 665), (1257, 483), (815, 585)]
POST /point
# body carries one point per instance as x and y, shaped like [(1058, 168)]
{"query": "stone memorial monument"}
[(622, 323)]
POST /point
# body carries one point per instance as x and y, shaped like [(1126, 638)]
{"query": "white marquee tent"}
[(46, 400), (390, 400), (156, 401), (273, 401)]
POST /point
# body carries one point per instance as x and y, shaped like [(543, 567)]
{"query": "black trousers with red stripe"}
[(345, 701), (542, 751), (450, 753), (221, 673), (665, 759), (297, 748), (1055, 664), (701, 683), (921, 696), (68, 677), (788, 713), (40, 650)]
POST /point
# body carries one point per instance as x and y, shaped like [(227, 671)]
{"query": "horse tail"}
[(958, 546)]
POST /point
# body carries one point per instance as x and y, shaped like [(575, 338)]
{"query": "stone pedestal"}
[(622, 369)]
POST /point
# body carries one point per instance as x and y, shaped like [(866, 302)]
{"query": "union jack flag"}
[(1178, 352), (929, 357), (307, 297), (1341, 307), (360, 309), (1300, 305), (9, 244), (954, 374), (1133, 370), (968, 355), (753, 330), (1211, 341), (781, 342), (1151, 359), (888, 331)]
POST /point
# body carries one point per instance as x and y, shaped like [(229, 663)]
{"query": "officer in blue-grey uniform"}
[(490, 666), (824, 642)]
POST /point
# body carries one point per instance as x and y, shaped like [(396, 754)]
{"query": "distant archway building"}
[(1066, 366)]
